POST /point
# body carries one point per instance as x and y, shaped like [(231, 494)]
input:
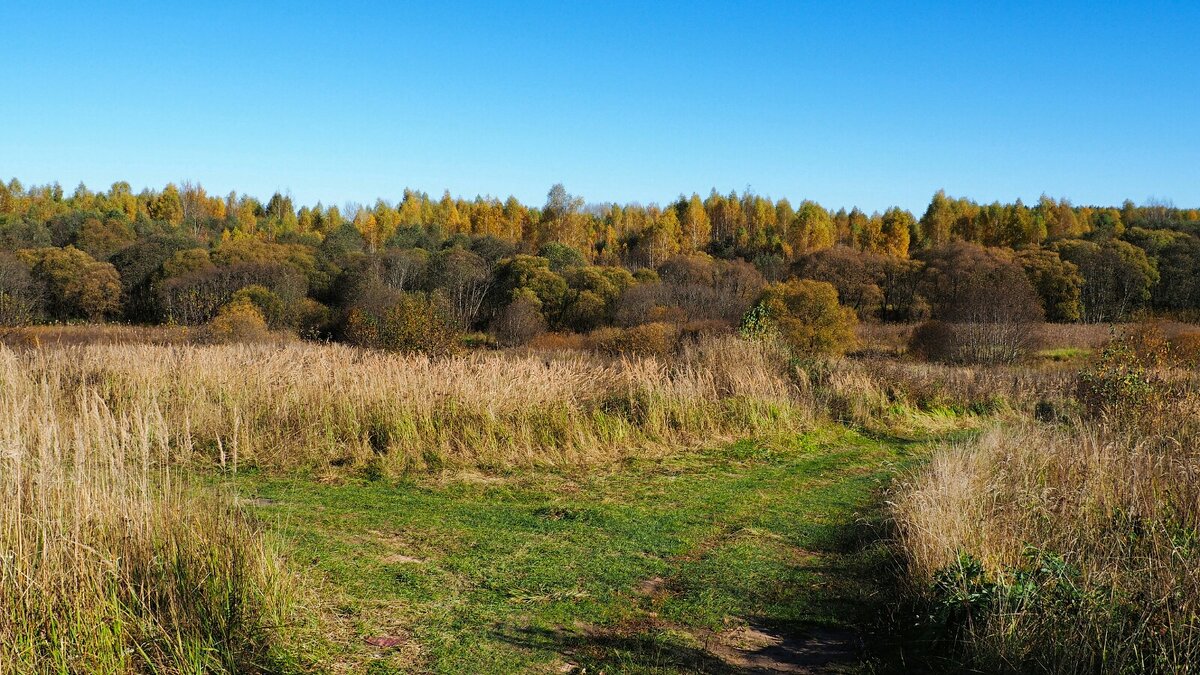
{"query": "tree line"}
[(372, 273)]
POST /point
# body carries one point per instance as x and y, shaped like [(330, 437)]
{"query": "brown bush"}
[(239, 321), (650, 339), (413, 323), (520, 322), (312, 319), (558, 342), (991, 342), (699, 330), (666, 314), (932, 341)]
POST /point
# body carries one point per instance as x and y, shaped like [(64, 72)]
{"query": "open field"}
[(295, 507), (120, 554)]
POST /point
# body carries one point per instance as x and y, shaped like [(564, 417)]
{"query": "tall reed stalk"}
[(109, 561)]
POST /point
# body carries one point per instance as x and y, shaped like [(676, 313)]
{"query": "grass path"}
[(744, 558)]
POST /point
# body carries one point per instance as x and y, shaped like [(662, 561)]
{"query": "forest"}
[(419, 273)]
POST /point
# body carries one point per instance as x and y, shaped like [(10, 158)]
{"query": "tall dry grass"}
[(25, 337), (109, 563), (331, 407), (900, 396), (1073, 548)]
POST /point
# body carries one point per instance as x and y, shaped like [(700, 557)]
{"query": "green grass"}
[(1064, 354), (632, 569)]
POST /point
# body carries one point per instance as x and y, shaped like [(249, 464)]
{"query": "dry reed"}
[(1087, 535), (109, 563), (320, 406)]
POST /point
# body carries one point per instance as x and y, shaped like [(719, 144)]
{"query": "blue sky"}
[(868, 104)]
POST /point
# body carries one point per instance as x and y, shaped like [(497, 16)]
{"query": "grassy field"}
[(294, 507), (748, 555)]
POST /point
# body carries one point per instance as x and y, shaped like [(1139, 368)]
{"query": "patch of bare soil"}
[(760, 649), (652, 587)]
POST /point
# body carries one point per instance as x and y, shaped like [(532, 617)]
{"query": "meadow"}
[(128, 546), (285, 506)]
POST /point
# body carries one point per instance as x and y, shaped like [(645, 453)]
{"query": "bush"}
[(1121, 381), (694, 331), (16, 310), (806, 314), (238, 321), (990, 342), (932, 341), (77, 286), (651, 339), (415, 323), (559, 342), (312, 319), (519, 322), (268, 303)]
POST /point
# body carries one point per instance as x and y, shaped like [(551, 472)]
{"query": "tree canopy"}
[(180, 254)]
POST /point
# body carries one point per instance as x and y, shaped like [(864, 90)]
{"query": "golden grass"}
[(1088, 534), (26, 337), (912, 398), (320, 406), (108, 562)]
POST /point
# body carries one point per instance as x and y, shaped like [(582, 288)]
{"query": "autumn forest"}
[(513, 271)]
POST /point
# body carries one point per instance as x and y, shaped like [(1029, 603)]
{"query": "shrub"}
[(414, 323), (606, 340), (806, 314), (559, 342), (698, 330), (238, 321), (15, 310), (312, 319), (980, 342), (18, 292), (1122, 381), (268, 303), (584, 311), (77, 286), (520, 321), (932, 341), (651, 339)]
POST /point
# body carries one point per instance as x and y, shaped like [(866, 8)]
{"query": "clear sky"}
[(868, 104)]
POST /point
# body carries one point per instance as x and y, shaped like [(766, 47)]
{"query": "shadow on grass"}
[(628, 647)]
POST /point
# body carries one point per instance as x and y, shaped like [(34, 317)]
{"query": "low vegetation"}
[(112, 562), (1070, 547), (720, 560), (340, 409)]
